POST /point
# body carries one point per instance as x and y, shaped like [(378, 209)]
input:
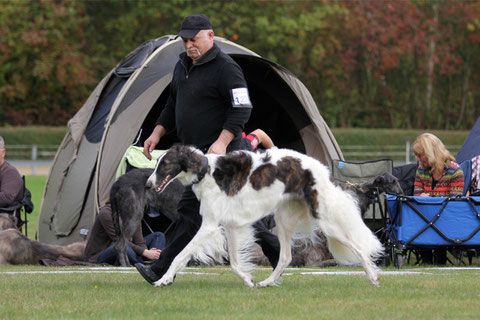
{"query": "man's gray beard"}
[(194, 50)]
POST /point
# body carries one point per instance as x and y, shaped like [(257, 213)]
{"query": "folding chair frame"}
[(25, 206)]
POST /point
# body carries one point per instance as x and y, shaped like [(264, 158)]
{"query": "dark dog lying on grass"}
[(15, 248), (7, 221)]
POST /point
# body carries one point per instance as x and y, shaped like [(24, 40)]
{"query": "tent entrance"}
[(276, 108)]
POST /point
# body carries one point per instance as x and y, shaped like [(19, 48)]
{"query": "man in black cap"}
[(208, 106)]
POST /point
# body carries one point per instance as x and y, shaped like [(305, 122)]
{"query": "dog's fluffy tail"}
[(346, 232), (214, 250), (344, 255)]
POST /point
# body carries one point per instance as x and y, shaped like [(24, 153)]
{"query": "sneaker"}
[(147, 273)]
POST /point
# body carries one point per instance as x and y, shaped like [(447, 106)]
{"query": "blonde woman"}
[(438, 175)]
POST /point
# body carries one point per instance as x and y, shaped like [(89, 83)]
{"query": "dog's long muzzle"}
[(151, 181), (148, 184)]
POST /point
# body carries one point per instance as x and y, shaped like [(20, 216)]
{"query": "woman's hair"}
[(434, 149)]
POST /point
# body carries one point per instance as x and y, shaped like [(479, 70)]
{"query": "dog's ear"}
[(379, 180), (188, 158), (184, 156)]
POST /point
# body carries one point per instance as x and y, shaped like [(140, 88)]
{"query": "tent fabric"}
[(125, 105), (471, 146), (96, 125), (137, 57)]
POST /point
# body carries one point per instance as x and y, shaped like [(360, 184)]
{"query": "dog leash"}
[(354, 185)]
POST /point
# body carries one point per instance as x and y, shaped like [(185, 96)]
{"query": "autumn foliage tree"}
[(44, 70), (384, 64)]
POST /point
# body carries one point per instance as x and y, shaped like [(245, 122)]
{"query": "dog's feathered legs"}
[(207, 245), (238, 240), (127, 232), (286, 219)]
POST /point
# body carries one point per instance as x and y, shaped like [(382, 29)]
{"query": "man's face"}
[(198, 45)]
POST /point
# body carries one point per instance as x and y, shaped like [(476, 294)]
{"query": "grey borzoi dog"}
[(129, 199), (365, 192), (242, 187), (15, 248)]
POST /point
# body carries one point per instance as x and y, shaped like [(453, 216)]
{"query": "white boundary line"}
[(200, 271)]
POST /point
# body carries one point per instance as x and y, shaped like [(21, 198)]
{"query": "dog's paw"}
[(375, 282), (267, 283), (249, 283), (164, 281)]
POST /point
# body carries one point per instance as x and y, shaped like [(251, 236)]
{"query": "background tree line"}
[(382, 64)]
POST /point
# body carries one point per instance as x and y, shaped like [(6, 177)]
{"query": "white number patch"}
[(241, 97)]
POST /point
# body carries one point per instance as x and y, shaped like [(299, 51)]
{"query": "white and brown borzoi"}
[(239, 188)]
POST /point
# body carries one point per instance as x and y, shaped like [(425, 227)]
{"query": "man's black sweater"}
[(202, 99)]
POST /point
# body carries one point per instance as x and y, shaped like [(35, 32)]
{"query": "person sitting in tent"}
[(11, 183), (209, 104), (100, 244), (438, 175)]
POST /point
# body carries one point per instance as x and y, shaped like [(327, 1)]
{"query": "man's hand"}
[(217, 148), (220, 146), (152, 141), (152, 254)]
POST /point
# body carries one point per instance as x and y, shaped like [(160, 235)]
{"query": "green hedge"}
[(54, 136), (393, 136), (33, 135)]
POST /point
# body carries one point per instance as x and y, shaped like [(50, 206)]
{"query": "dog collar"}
[(203, 172)]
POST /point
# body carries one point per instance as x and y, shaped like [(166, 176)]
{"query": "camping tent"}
[(471, 146), (122, 111)]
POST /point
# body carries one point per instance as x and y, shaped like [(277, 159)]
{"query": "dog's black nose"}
[(148, 184)]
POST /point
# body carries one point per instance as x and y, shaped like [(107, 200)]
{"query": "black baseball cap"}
[(191, 25)]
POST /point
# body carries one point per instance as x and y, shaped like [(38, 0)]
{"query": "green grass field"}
[(114, 293), (36, 185), (36, 292)]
